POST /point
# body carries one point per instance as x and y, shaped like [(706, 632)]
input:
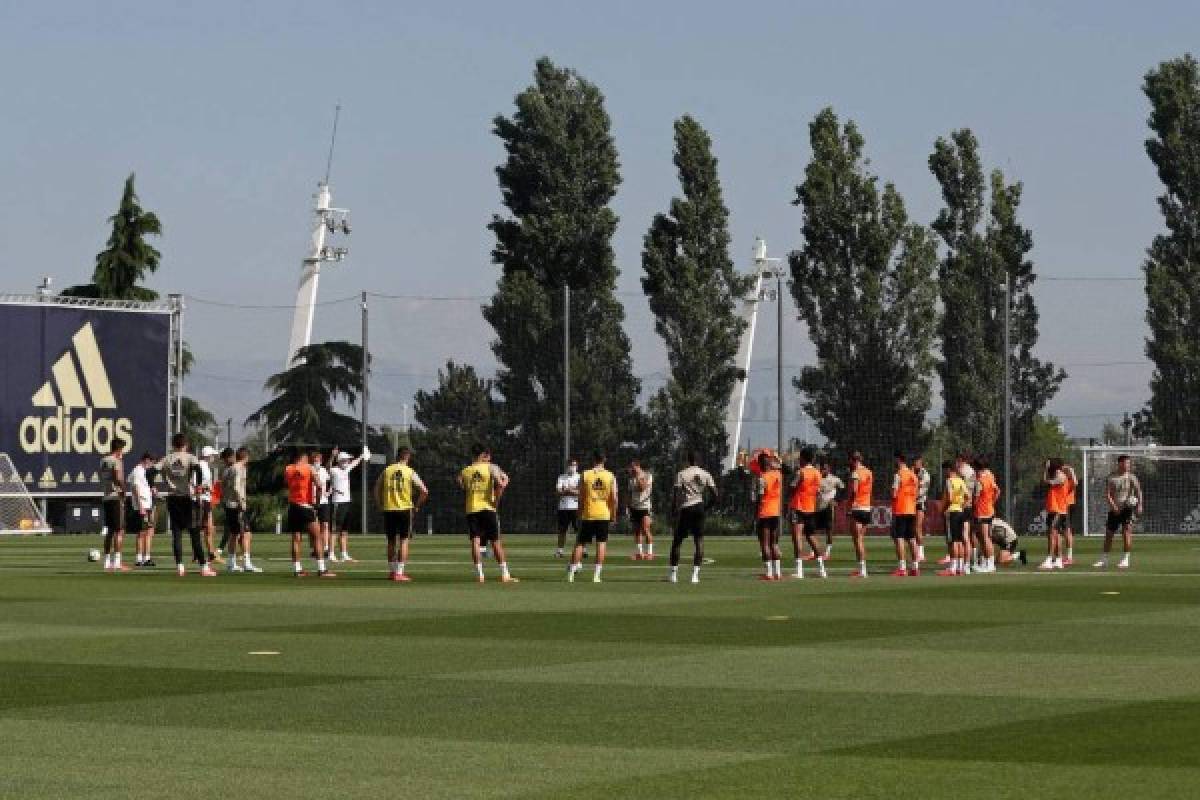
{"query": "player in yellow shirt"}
[(394, 495), (956, 496), (483, 483), (597, 510)]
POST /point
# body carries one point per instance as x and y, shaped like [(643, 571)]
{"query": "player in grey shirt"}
[(924, 480), (1124, 495), (826, 501), (181, 472), (692, 486), (112, 486), (641, 489)]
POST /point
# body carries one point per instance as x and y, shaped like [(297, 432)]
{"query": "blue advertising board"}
[(72, 379)]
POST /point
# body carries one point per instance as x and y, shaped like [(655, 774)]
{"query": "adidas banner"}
[(74, 379)]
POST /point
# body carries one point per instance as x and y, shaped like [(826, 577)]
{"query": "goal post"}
[(1170, 480), (18, 511)]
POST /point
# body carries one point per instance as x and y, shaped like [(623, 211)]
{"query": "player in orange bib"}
[(904, 517), (861, 484), (768, 491), (301, 482), (1057, 493), (983, 509), (806, 486), (1064, 527)]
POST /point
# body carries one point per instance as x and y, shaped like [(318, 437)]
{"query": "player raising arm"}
[(1057, 491), (1124, 495), (768, 492)]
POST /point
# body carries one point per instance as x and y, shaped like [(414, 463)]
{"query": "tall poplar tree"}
[(693, 290), (1172, 264), (559, 176), (985, 246), (863, 281)]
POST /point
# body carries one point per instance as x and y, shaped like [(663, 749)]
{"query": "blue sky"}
[(223, 110)]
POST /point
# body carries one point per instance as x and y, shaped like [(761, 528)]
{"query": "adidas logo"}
[(78, 387)]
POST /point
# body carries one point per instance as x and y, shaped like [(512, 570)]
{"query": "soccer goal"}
[(18, 512), (1170, 479)]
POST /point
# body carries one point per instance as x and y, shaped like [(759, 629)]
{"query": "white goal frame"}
[(1089, 452), (13, 489)]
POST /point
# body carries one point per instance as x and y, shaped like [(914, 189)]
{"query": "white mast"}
[(327, 220)]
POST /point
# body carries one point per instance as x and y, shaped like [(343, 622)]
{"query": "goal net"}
[(1170, 480), (18, 512)]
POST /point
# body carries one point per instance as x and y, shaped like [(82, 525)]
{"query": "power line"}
[(208, 302)]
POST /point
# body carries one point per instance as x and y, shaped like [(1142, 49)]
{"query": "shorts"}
[(823, 520), (767, 525), (483, 525), (325, 513), (636, 515), (955, 521), (568, 518), (593, 530), (1118, 519), (339, 514), (1064, 520), (114, 514), (904, 526), (861, 515), (299, 517), (398, 524), (182, 513), (235, 521), (691, 522), (134, 519), (806, 519), (983, 520)]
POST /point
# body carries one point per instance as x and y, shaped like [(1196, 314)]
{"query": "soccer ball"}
[(93, 554)]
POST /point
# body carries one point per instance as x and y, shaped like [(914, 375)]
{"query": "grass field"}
[(1015, 685)]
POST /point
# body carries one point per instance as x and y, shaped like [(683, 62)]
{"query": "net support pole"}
[(366, 396), (1086, 486), (566, 375), (178, 363), (779, 360), (1007, 417)]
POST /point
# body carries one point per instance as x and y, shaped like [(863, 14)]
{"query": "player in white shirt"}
[(566, 488), (141, 509), (340, 467), (322, 503), (208, 455)]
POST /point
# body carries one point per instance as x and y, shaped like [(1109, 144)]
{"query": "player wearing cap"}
[(861, 484), (1123, 491), (768, 492), (597, 509), (394, 496), (301, 482), (342, 464), (483, 484), (904, 517), (112, 484)]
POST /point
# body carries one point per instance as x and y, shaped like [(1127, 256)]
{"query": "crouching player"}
[(1007, 544)]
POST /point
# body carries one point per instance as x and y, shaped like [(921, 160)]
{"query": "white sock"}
[(574, 568), (107, 561), (1125, 558), (399, 567), (920, 552), (598, 568), (320, 565), (1070, 553), (345, 556), (504, 569), (674, 571), (903, 566), (778, 568), (768, 568), (641, 549), (297, 566), (862, 567), (479, 569), (695, 573), (828, 550), (246, 559), (650, 549), (799, 566)]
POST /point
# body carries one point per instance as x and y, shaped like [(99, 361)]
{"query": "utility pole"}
[(366, 396), (229, 432), (566, 374), (1008, 509)]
